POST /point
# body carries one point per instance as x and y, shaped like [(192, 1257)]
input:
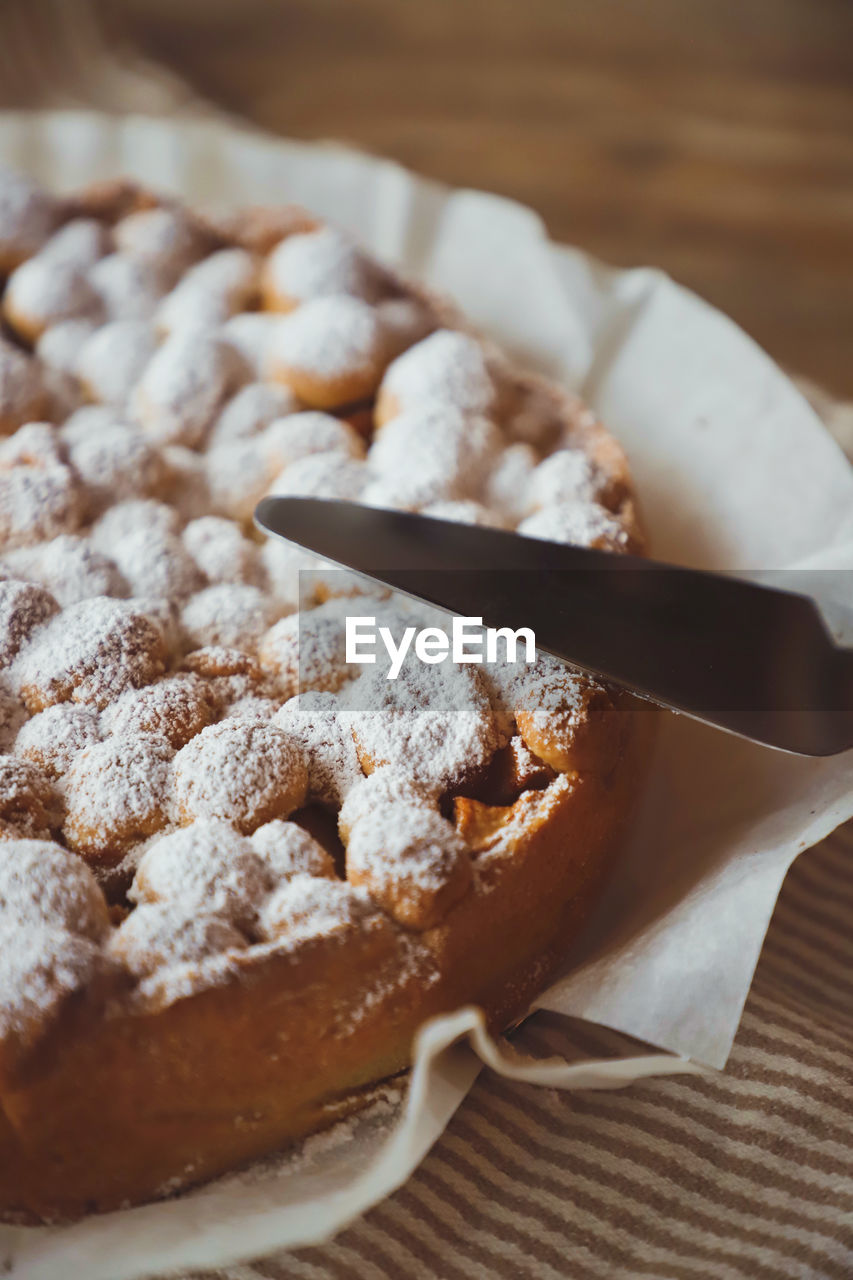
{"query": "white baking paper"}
[(734, 471)]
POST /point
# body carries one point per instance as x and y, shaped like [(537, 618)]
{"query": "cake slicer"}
[(749, 658)]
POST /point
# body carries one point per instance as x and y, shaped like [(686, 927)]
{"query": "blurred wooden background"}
[(711, 137)]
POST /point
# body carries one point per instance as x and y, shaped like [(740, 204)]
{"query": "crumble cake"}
[(229, 895)]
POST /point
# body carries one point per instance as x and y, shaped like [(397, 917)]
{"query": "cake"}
[(235, 875)]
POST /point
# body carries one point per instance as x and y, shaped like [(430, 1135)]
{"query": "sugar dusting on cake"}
[(371, 1118), (159, 709)]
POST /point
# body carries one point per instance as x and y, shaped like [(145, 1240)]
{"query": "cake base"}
[(117, 1109)]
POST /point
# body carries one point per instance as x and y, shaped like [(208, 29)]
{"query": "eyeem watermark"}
[(467, 641)]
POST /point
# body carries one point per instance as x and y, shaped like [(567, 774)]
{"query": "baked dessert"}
[(235, 878)]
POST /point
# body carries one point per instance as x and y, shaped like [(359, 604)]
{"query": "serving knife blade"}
[(745, 657)]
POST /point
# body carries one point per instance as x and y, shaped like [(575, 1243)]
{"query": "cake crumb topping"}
[(167, 721)]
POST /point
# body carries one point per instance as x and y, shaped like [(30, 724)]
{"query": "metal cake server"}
[(752, 659)]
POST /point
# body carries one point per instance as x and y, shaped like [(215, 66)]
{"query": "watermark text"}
[(467, 641)]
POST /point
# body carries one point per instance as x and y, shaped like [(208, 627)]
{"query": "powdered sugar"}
[(44, 886), (316, 264), (117, 793), (39, 495), (249, 333), (55, 737), (506, 486), (464, 511), (87, 417), (436, 718), (219, 660), (332, 340), (367, 798), (322, 475), (323, 728), (448, 369), (288, 850), (251, 708), (283, 562), (133, 517), (254, 407), (80, 242), (60, 345), (37, 444), (184, 385), (509, 684), (41, 292), (157, 936), (90, 653), (70, 568), (434, 455), (222, 551), (301, 434), (583, 524), (242, 773), (306, 908), (307, 650), (210, 292), (233, 614), (237, 475), (111, 361), (567, 476), (115, 463), (128, 289), (156, 564), (411, 860), (165, 238), (206, 869), (175, 708), (235, 691), (38, 502)]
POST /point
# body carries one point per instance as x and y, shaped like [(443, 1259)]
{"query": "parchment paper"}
[(734, 471)]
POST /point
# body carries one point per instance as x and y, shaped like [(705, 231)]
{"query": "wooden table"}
[(711, 137)]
